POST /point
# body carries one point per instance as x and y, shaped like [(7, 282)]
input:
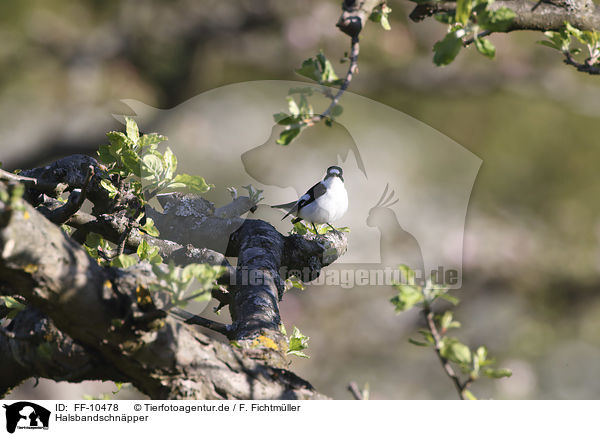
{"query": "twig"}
[(223, 297), (585, 68), (352, 69), (460, 387), (123, 240), (5, 175), (62, 214), (479, 35), (190, 318), (355, 391)]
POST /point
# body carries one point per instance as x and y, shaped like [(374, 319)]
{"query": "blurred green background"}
[(531, 261)]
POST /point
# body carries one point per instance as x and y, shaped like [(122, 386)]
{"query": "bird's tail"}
[(286, 206), (290, 207)]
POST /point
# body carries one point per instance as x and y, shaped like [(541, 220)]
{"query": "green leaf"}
[(575, 32), (293, 106), (294, 282), (549, 44), (446, 50), (385, 23), (284, 119), (418, 343), (590, 38), (481, 353), (485, 47), (106, 184), (320, 70), (446, 320), (463, 11), (427, 335), (337, 110), (380, 15), (131, 161), (407, 275), (150, 228), (151, 138), (495, 21), (559, 40), (152, 167), (469, 395), (455, 351), (299, 229), (14, 305), (133, 132), (105, 155), (497, 373), (309, 69), (195, 184), (449, 298), (119, 140), (328, 75), (254, 194), (287, 136), (297, 342), (123, 261), (170, 163), (408, 296), (148, 252), (445, 18)]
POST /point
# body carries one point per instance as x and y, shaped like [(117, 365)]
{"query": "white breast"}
[(329, 207)]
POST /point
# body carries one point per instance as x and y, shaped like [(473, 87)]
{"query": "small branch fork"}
[(586, 67), (352, 70), (352, 21), (461, 387)]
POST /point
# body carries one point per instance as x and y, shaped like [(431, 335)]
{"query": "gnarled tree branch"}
[(97, 308)]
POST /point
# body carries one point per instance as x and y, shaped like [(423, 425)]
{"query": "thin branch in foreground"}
[(352, 69), (355, 391), (461, 387), (190, 318)]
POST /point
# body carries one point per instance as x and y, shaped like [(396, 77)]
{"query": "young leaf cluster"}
[(472, 20), (472, 363), (297, 342), (177, 282), (300, 228), (136, 159), (13, 305), (563, 39), (380, 15), (300, 111)]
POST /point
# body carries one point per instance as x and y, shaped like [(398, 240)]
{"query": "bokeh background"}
[(531, 260)]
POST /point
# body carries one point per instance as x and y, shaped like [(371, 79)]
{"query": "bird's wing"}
[(311, 195)]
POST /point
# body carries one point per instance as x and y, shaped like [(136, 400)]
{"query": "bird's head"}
[(334, 171)]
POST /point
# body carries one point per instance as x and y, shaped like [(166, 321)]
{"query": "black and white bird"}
[(325, 202)]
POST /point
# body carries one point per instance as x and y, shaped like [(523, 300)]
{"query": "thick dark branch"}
[(32, 346), (530, 15), (265, 258), (71, 173), (60, 215), (97, 307)]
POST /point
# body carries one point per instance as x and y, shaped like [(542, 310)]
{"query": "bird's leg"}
[(315, 228), (336, 231)]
